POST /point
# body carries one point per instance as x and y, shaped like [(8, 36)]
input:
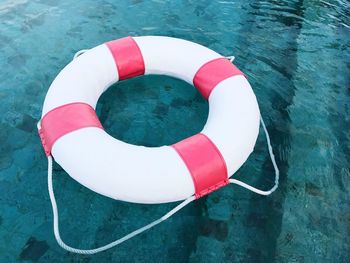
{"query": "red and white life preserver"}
[(200, 164)]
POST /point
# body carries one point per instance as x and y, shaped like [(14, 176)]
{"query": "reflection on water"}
[(296, 56)]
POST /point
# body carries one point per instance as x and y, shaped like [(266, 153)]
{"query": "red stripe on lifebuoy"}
[(65, 119), (127, 56), (213, 72), (204, 162)]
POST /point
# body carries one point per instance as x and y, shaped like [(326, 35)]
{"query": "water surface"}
[(296, 56)]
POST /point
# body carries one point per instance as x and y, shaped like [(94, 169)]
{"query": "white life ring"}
[(71, 133)]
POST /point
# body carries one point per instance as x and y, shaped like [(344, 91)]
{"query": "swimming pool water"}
[(296, 56)]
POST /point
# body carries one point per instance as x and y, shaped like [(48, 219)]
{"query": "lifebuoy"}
[(71, 132)]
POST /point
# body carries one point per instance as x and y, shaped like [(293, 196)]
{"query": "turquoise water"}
[(297, 57)]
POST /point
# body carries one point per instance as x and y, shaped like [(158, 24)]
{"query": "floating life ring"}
[(72, 133)]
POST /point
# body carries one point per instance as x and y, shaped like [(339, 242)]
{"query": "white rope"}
[(112, 244), (80, 52), (277, 172), (231, 58)]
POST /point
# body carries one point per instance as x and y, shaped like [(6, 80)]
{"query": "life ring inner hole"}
[(152, 110)]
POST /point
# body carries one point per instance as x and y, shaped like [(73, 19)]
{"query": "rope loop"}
[(230, 58), (80, 52), (272, 157)]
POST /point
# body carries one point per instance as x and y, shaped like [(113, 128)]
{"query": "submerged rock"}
[(313, 189), (28, 123), (17, 61), (161, 110), (33, 250), (214, 228)]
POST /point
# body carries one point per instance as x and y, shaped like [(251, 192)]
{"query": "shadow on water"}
[(264, 215)]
